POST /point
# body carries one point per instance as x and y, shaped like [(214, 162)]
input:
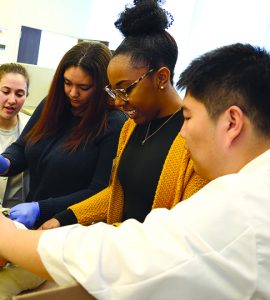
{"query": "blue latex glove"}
[(25, 213), (4, 164)]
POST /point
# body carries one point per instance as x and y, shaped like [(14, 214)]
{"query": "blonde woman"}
[(14, 85)]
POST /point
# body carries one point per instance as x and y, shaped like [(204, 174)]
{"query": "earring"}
[(162, 87)]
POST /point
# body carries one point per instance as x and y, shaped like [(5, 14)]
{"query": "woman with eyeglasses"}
[(152, 168)]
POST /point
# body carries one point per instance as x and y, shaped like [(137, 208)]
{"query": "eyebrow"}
[(119, 83), (21, 90), (81, 84), (17, 90), (86, 85)]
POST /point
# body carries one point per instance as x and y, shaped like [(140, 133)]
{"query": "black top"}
[(141, 165), (59, 178), (140, 168)]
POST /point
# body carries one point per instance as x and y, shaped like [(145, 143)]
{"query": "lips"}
[(74, 101), (9, 109)]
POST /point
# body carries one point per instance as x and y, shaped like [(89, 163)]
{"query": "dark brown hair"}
[(93, 58)]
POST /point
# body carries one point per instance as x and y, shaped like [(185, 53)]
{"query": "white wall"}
[(207, 24), (199, 25), (60, 17), (67, 17), (52, 48), (40, 80)]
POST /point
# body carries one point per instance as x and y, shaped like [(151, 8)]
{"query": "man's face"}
[(203, 138)]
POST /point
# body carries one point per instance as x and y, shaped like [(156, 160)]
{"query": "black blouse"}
[(141, 165), (59, 178)]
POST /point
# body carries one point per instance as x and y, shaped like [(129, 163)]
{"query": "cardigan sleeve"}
[(93, 209)]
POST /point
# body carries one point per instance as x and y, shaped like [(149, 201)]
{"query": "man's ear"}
[(234, 124), (163, 77)]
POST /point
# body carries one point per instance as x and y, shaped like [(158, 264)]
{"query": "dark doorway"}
[(29, 45)]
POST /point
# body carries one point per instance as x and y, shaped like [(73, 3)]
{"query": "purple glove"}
[(25, 213), (4, 164)]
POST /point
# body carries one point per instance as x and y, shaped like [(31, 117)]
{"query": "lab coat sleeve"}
[(174, 252)]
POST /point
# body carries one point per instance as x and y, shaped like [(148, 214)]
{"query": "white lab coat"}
[(214, 246), (23, 119)]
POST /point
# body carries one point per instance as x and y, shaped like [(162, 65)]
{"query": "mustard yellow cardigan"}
[(177, 182)]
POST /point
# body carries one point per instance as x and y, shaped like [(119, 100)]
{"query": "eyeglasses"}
[(123, 93)]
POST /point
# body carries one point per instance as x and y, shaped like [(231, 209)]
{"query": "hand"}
[(25, 213), (50, 224), (4, 164)]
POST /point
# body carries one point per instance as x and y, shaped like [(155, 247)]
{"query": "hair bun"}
[(144, 17)]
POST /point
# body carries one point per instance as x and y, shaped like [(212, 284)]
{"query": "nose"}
[(73, 91), (12, 98)]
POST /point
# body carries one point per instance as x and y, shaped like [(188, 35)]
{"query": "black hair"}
[(146, 40), (237, 74)]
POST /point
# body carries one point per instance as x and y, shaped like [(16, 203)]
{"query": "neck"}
[(77, 112), (170, 102), (8, 123), (253, 151), (239, 156)]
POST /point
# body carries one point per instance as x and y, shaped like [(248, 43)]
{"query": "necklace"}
[(149, 125)]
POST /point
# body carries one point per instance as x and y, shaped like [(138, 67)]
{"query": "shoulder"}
[(31, 120), (116, 119), (117, 115), (38, 110), (40, 105)]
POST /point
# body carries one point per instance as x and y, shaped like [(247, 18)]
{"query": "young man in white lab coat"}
[(216, 245)]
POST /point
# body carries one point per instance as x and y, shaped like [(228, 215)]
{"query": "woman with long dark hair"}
[(71, 139)]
